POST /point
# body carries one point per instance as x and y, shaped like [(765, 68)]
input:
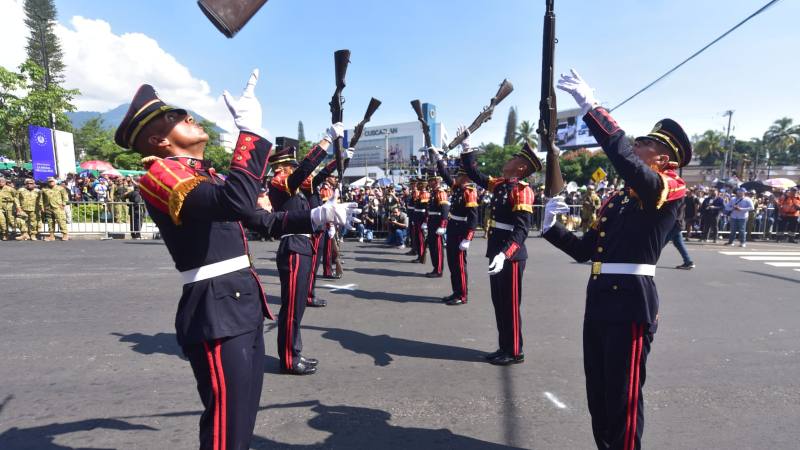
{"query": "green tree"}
[(494, 156), (94, 141), (525, 132), (301, 132), (579, 165), (215, 153), (511, 127), (779, 138), (709, 147), (43, 46)]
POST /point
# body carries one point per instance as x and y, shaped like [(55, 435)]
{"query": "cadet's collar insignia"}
[(194, 163)]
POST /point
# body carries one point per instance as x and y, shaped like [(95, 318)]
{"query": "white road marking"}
[(346, 287), (771, 258), (555, 400), (745, 253), (784, 264)]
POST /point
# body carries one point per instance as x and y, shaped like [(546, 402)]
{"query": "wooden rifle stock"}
[(341, 59), (505, 89), (426, 129), (548, 121), (374, 103), (230, 16)]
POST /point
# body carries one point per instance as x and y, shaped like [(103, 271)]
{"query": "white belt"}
[(623, 269), (434, 213), (296, 234), (501, 225), (216, 269), (458, 218)]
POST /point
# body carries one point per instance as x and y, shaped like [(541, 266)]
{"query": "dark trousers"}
[(326, 245), (787, 225), (229, 374), (316, 239), (421, 247), (136, 220), (506, 287), (690, 223), (710, 227), (457, 263), (614, 357), (414, 236), (294, 270), (437, 251)]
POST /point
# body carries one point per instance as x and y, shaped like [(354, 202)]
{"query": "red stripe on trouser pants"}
[(515, 304), (463, 275), (633, 386), (315, 245), (290, 319), (217, 376)]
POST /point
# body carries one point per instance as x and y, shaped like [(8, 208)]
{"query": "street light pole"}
[(728, 155)]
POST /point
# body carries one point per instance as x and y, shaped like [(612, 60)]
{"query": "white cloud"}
[(108, 68), (13, 33)]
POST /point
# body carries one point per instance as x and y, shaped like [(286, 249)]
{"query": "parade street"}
[(90, 358)]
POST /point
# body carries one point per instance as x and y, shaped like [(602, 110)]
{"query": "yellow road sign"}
[(599, 174)]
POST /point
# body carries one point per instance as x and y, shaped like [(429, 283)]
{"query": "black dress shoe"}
[(415, 260), (433, 275), (493, 355), (456, 301), (300, 368), (318, 303), (411, 253), (448, 298), (309, 361), (505, 360)]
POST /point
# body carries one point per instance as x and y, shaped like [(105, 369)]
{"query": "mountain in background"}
[(113, 117)]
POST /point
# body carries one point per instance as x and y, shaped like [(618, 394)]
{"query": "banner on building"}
[(572, 131), (43, 156)]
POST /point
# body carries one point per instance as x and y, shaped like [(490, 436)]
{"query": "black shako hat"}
[(145, 107), (668, 133), (286, 152), (526, 153)]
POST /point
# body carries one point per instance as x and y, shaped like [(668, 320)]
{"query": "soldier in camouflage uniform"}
[(28, 214), (52, 201), (117, 195), (8, 205)]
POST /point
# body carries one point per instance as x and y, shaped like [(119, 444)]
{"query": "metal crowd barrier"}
[(108, 220)]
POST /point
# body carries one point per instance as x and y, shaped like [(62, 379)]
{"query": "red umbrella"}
[(112, 173), (96, 165)]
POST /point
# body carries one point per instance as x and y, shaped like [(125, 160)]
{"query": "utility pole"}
[(728, 154), (386, 149)]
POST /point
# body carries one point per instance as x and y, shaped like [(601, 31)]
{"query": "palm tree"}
[(525, 132), (708, 146), (781, 134)]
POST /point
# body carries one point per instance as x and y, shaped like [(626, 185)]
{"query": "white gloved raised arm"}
[(580, 91), (246, 111)]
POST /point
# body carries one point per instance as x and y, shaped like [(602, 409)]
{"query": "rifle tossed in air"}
[(548, 121), (505, 89), (341, 59)]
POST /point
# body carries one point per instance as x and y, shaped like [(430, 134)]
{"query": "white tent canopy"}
[(361, 182)]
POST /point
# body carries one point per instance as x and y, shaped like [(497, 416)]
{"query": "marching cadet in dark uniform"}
[(461, 225), (624, 245), (436, 219), (423, 198), (413, 216), (201, 216), (296, 250), (330, 247), (511, 209)]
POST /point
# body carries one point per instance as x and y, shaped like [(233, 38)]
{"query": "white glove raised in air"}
[(555, 206), (340, 214), (334, 132), (465, 148), (441, 231), (348, 154), (580, 91), (496, 266), (464, 245), (246, 111)]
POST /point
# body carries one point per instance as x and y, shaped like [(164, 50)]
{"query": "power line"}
[(760, 10)]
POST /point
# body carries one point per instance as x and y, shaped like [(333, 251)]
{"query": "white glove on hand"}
[(246, 111), (331, 232), (555, 206), (465, 148), (464, 245), (435, 153), (441, 231), (580, 90), (496, 266), (424, 227), (340, 214), (334, 132), (348, 154)]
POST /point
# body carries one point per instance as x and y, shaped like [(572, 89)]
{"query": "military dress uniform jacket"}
[(463, 206), (511, 208), (200, 217), (285, 195), (311, 186), (438, 209), (631, 228)]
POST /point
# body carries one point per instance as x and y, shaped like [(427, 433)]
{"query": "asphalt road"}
[(89, 358)]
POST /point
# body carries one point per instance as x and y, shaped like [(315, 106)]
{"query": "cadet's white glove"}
[(334, 132), (580, 90), (435, 153), (441, 231), (464, 245), (340, 214), (331, 232), (496, 266), (465, 148), (424, 227), (349, 152), (555, 206), (246, 111)]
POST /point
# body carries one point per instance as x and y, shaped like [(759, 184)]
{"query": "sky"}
[(450, 53)]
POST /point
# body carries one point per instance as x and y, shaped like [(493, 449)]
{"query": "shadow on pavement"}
[(162, 343), (267, 272), (382, 347), (43, 437), (388, 272), (5, 402), (387, 296), (353, 427), (143, 242), (377, 260), (777, 277)]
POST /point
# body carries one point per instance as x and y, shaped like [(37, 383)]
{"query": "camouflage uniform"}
[(28, 216), (117, 196), (8, 205), (52, 201), (591, 204)]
